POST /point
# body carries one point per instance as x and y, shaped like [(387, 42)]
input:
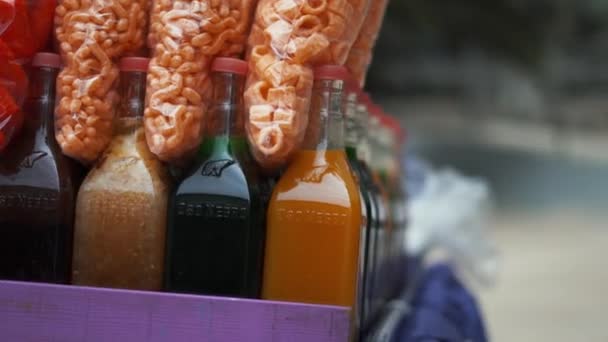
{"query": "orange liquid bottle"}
[(314, 217)]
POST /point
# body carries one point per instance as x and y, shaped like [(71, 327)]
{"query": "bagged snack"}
[(360, 56), (7, 13), (25, 26), (31, 28), (92, 36), (185, 36), (287, 39)]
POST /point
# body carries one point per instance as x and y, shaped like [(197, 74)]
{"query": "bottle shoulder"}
[(38, 166), (331, 183), (127, 166), (221, 175)]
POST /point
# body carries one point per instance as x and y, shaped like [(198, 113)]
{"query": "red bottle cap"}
[(351, 85), (331, 72), (365, 99), (46, 59), (139, 64), (230, 65), (394, 125), (376, 111)]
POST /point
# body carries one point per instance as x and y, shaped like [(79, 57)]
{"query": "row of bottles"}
[(324, 234)]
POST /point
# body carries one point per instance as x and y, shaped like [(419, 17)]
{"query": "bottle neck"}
[(326, 121), (133, 94), (226, 115), (351, 126), (132, 97), (226, 120), (39, 107), (363, 127)]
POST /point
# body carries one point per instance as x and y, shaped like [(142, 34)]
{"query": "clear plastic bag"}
[(449, 217), (92, 36), (185, 36), (360, 56), (287, 39)]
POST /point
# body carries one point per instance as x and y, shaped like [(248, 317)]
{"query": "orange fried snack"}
[(92, 35), (360, 56), (185, 36), (287, 39)]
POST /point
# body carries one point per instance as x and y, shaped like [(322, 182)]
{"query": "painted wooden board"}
[(55, 313)]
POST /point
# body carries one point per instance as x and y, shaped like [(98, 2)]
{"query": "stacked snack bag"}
[(20, 38), (289, 38), (184, 37), (360, 56), (92, 36)]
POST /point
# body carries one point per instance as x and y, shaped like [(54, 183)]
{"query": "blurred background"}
[(515, 92)]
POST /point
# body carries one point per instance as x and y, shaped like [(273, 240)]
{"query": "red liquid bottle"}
[(37, 190)]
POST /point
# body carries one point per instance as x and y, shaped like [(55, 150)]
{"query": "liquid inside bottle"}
[(381, 282), (355, 133), (37, 189), (121, 209), (314, 217), (216, 231)]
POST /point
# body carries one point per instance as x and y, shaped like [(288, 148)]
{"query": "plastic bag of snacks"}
[(185, 36), (92, 36), (31, 26), (287, 39), (25, 26), (360, 56)]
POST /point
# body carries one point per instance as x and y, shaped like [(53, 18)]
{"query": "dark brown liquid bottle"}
[(37, 190)]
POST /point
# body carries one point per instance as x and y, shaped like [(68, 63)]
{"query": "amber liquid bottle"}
[(37, 189), (216, 231), (121, 210), (314, 216)]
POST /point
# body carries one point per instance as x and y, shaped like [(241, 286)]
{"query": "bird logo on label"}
[(215, 168)]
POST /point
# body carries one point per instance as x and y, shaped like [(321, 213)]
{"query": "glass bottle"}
[(381, 283), (371, 224), (314, 217), (216, 231), (37, 189), (121, 209)]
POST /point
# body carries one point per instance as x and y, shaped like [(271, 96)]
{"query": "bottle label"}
[(29, 161), (212, 210), (214, 168), (311, 216), (33, 200)]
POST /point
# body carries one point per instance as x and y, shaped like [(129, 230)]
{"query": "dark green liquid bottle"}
[(216, 230)]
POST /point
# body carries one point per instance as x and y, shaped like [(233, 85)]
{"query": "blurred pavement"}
[(553, 283)]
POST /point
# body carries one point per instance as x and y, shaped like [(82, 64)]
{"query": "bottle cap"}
[(46, 59), (375, 110), (332, 72), (365, 99), (351, 85), (395, 126), (134, 64), (230, 65)]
